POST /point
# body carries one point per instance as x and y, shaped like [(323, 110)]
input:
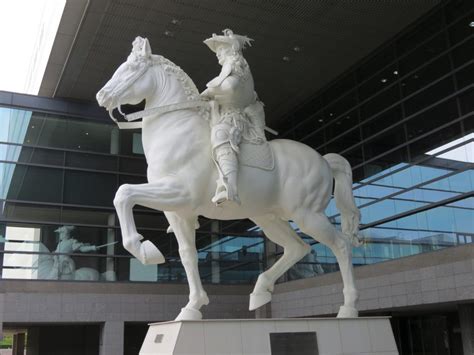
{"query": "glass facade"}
[(403, 117), (58, 171)]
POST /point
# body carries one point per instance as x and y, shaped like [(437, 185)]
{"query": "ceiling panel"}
[(332, 35)]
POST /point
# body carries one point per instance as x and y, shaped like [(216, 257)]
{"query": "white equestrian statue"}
[(182, 174)]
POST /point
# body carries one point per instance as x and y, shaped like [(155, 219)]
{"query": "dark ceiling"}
[(331, 36)]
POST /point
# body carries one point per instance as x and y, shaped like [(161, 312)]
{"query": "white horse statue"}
[(181, 182)]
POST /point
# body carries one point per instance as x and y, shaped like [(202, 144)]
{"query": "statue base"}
[(303, 336)]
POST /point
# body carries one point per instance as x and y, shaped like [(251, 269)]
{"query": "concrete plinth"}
[(315, 336)]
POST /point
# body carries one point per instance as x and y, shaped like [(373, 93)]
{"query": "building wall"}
[(403, 118), (423, 281)]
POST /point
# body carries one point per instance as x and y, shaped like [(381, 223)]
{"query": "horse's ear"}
[(146, 49)]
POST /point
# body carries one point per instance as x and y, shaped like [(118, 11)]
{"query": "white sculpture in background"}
[(63, 267), (287, 181)]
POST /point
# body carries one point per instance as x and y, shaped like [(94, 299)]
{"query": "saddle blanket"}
[(256, 155)]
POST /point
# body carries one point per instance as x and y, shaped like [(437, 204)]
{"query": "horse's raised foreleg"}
[(281, 233), (184, 229), (165, 195)]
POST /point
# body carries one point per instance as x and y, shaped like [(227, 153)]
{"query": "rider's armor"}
[(236, 116)]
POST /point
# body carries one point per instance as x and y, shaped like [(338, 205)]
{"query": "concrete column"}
[(466, 320), (32, 346), (114, 141), (110, 263), (111, 338), (215, 266), (18, 344)]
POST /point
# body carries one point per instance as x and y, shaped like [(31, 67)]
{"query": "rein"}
[(155, 111)]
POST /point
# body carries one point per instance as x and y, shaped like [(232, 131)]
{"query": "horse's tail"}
[(345, 203)]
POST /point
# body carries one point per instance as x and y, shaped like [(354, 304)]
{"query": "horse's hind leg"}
[(281, 233), (184, 229), (318, 226)]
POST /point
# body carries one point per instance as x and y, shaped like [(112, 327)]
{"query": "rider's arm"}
[(225, 72)]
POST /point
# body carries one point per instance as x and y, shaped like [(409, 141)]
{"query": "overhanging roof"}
[(95, 36)]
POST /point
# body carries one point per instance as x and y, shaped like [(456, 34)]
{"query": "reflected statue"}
[(63, 267), (277, 181), (309, 266)]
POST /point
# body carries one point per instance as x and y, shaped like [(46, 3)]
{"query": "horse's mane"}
[(169, 67)]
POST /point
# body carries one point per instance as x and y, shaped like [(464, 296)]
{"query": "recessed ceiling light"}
[(395, 72), (169, 34), (176, 22), (87, 133), (286, 58), (320, 120), (79, 146), (471, 24), (297, 48), (32, 126), (383, 80)]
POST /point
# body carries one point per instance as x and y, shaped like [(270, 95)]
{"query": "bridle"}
[(127, 82)]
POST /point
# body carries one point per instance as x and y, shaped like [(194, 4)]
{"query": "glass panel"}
[(14, 124), (91, 161), (431, 119), (429, 96), (89, 136), (21, 183), (460, 30), (349, 139), (463, 53), (423, 54), (15, 153), (339, 88), (465, 76), (132, 165), (384, 142), (85, 188), (426, 75), (29, 212), (375, 63), (379, 102), (381, 122), (74, 215), (378, 82), (467, 102), (434, 140)]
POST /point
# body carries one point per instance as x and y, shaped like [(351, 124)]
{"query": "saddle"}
[(256, 155)]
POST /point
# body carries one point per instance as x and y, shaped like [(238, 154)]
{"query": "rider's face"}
[(222, 52)]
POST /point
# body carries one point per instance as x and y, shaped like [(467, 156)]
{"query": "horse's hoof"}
[(347, 312), (151, 254), (259, 299), (189, 314)]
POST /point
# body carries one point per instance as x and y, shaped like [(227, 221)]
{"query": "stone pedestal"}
[(308, 336)]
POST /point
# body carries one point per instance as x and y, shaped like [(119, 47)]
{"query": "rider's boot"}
[(226, 189)]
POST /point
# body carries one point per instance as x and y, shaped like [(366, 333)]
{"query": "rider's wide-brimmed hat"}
[(237, 42), (64, 229)]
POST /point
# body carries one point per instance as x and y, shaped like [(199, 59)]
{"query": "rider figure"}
[(236, 114), (64, 267)]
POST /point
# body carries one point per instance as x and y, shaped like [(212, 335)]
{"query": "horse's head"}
[(131, 82)]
